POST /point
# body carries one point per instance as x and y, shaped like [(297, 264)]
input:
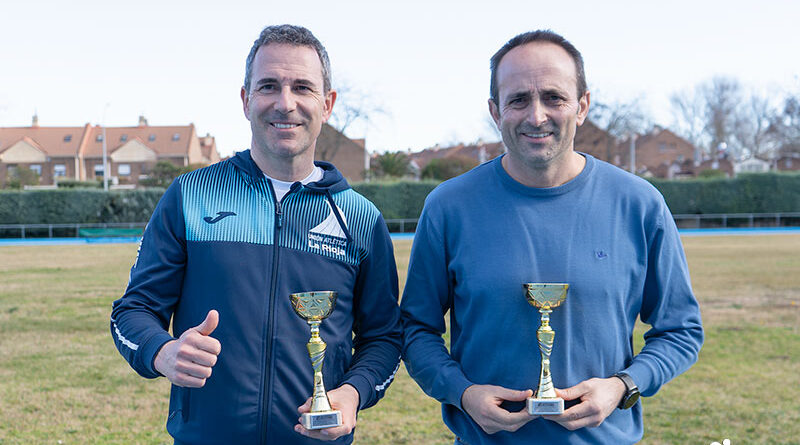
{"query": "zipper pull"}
[(278, 214)]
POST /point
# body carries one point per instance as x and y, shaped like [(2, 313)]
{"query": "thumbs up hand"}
[(188, 360)]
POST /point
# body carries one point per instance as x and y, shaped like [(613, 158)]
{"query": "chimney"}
[(35, 121), (142, 121)]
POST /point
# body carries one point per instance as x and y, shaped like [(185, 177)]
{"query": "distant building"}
[(348, 155), (478, 153), (591, 139), (751, 165), (788, 161), (77, 152)]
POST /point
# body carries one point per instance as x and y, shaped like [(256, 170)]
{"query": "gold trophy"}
[(545, 296), (313, 307)]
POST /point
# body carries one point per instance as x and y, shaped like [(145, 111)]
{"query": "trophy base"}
[(318, 421), (540, 407)]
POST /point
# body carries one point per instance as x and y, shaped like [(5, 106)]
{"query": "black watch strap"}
[(631, 391)]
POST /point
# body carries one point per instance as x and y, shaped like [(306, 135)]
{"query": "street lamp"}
[(105, 158)]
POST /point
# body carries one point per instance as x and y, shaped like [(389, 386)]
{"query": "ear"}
[(330, 99), (495, 112), (245, 103), (583, 108)]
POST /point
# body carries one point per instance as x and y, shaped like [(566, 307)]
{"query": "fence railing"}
[(399, 225), (76, 230), (734, 220)]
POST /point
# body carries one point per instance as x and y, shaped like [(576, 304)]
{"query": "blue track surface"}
[(395, 236)]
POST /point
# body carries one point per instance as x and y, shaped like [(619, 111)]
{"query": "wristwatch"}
[(631, 391)]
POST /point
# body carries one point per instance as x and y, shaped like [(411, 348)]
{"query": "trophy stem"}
[(546, 336), (316, 351)]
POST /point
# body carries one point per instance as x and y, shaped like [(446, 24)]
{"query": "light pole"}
[(105, 158)]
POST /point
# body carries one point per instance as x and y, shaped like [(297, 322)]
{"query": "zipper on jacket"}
[(271, 306)]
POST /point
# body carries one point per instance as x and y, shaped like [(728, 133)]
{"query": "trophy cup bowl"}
[(545, 297), (313, 307)]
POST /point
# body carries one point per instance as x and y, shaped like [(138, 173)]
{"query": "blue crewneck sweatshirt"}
[(607, 233)]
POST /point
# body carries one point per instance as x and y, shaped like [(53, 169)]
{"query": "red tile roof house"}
[(77, 152)]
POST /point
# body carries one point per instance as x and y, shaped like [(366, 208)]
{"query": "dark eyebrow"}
[(303, 82), (306, 82), (267, 80), (518, 95)]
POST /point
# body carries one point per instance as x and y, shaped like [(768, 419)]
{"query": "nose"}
[(285, 102), (537, 116)]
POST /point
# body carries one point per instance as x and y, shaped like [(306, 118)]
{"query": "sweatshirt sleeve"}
[(669, 306), (140, 318), (377, 328), (426, 299)]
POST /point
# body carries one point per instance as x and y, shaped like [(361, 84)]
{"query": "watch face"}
[(631, 400)]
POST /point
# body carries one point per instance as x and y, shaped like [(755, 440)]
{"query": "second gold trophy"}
[(545, 297)]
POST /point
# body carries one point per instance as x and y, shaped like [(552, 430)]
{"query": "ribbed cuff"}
[(366, 393), (642, 375), (149, 350)]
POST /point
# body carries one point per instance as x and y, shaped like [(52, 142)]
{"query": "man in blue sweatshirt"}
[(544, 212), (228, 244)]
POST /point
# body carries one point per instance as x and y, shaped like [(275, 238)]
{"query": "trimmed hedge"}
[(66, 206), (749, 193), (397, 200)]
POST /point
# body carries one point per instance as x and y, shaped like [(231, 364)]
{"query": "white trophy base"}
[(540, 407), (324, 419)]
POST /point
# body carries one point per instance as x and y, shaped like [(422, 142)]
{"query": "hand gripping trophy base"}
[(314, 307), (545, 296)]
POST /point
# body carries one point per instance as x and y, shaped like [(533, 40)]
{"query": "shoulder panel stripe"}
[(210, 191)]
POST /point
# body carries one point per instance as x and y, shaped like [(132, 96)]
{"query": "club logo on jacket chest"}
[(328, 237)]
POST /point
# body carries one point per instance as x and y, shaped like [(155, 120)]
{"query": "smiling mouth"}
[(284, 126), (538, 135)]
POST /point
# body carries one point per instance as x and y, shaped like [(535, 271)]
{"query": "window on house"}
[(99, 138), (662, 147), (67, 138), (151, 138), (124, 169), (176, 136), (98, 169), (37, 168), (11, 169), (123, 138), (60, 170)]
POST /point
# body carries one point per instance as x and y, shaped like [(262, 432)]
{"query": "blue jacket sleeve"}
[(426, 299), (139, 320), (377, 328), (670, 308)]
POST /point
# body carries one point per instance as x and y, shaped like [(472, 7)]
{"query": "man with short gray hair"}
[(226, 247)]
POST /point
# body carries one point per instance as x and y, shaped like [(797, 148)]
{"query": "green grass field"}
[(63, 382)]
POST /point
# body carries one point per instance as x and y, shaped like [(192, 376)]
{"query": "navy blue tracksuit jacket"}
[(219, 240)]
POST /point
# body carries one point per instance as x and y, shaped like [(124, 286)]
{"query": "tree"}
[(391, 164), (620, 119), (164, 172), (722, 96), (787, 124), (446, 168), (755, 130), (709, 114), (689, 122), (353, 108), (21, 176)]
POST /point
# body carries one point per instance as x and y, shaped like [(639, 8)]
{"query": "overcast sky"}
[(426, 63)]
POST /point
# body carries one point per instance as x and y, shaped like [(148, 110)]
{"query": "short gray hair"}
[(291, 35)]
